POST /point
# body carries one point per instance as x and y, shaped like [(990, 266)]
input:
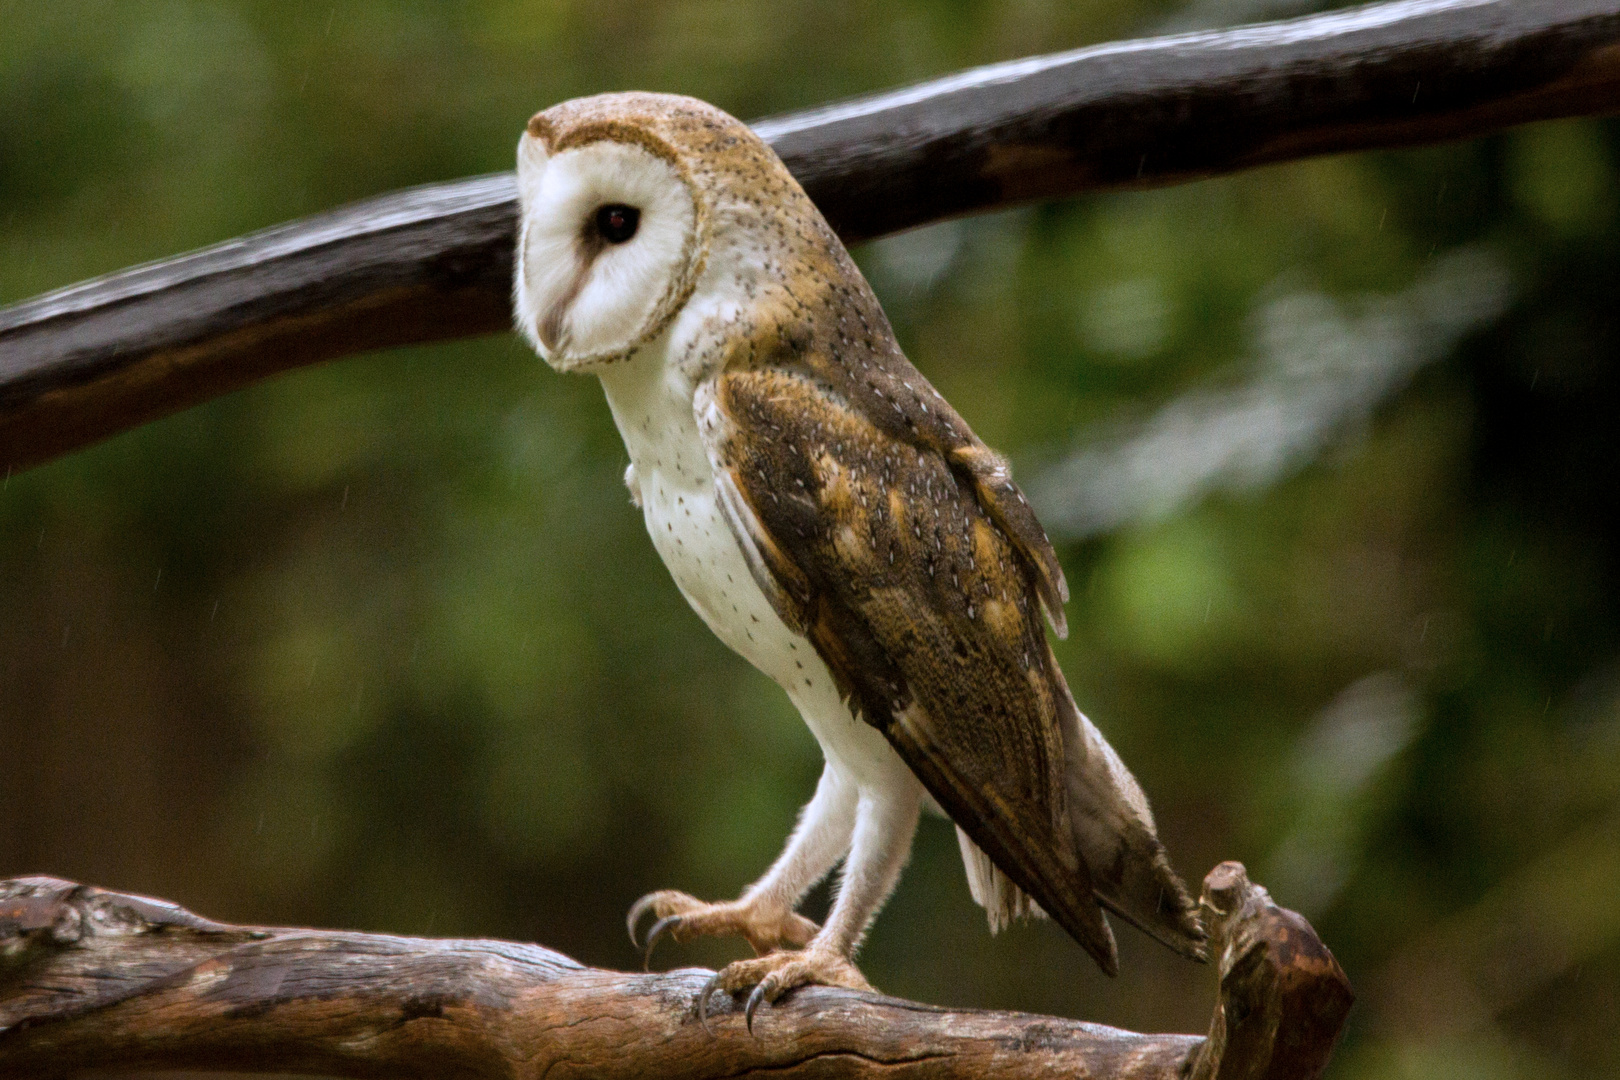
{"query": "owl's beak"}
[(550, 332)]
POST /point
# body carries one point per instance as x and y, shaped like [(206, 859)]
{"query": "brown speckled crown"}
[(713, 149)]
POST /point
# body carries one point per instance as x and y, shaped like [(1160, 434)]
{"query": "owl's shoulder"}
[(824, 333)]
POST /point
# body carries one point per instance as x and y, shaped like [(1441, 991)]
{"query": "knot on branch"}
[(1284, 998), (40, 912)]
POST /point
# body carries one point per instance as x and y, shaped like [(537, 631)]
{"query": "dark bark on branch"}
[(434, 263), (94, 980)]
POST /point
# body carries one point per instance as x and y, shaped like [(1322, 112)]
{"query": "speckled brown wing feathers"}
[(884, 553), (854, 356)]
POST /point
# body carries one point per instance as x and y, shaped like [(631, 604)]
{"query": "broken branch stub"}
[(1283, 1000), (94, 980)]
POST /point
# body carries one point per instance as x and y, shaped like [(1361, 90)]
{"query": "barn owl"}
[(832, 519)]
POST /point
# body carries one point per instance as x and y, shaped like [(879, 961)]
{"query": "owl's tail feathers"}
[(1003, 902), (1116, 852), (1114, 835)]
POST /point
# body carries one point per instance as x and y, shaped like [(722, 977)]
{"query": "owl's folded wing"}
[(887, 558)]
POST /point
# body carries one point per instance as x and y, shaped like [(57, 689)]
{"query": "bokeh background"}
[(1329, 451)]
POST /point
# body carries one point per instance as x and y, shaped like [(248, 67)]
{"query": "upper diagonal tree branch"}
[(434, 263)]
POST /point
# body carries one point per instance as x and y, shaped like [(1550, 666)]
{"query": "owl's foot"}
[(682, 917), (774, 974)]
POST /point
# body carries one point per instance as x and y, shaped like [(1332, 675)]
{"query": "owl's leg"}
[(885, 821), (764, 913)]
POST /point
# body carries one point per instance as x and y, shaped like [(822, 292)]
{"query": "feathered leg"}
[(885, 821), (764, 914)]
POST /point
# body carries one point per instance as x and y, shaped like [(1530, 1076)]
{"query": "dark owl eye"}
[(617, 222)]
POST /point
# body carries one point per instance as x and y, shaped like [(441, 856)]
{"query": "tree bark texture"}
[(94, 980), (434, 263)]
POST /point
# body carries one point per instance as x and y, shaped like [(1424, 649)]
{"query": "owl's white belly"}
[(654, 414)]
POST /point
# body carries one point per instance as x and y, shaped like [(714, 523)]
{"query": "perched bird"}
[(835, 521)]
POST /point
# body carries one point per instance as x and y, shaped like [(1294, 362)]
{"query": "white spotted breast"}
[(652, 405)]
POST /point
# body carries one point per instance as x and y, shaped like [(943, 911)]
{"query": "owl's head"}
[(630, 202), (615, 194)]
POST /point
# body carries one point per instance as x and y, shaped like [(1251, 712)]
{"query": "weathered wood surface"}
[(94, 980), (434, 263)]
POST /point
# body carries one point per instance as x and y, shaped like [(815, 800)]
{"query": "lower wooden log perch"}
[(91, 979)]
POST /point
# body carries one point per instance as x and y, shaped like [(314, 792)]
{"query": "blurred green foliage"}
[(382, 643)]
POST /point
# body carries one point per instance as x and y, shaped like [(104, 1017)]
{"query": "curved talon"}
[(663, 926), (754, 1001), (703, 1002), (637, 910)]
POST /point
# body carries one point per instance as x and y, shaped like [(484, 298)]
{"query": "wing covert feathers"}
[(897, 543), (1007, 507)]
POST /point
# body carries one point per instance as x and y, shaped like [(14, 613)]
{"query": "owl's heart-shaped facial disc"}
[(605, 250)]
